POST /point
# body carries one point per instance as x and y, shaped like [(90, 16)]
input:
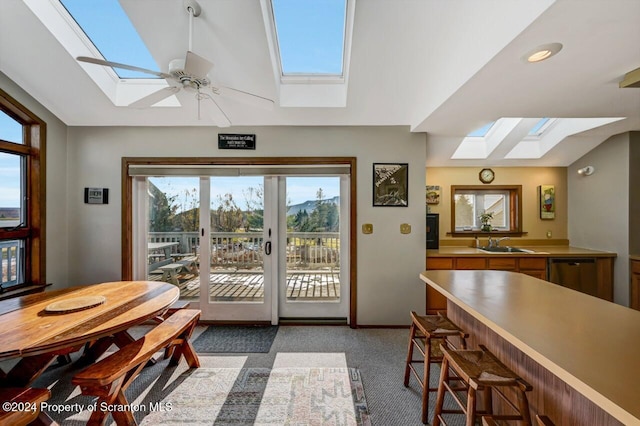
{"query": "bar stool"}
[(479, 371), (425, 328)]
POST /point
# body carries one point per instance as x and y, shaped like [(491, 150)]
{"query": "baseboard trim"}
[(382, 326), (312, 321)]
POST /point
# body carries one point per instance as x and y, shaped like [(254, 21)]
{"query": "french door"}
[(244, 245)]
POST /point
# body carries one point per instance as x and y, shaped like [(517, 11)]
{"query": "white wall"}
[(56, 187), (388, 262), (599, 206)]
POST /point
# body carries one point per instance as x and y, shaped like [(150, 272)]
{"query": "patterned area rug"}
[(235, 339), (261, 396)]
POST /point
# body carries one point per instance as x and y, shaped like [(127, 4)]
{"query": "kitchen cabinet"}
[(530, 265)]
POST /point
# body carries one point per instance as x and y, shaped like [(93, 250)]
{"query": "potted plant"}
[(485, 220)]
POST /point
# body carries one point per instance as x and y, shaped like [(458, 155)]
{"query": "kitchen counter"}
[(591, 345), (539, 251)]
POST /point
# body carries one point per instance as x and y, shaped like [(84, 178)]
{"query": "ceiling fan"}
[(190, 75)]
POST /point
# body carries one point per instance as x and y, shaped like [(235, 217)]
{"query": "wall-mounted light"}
[(586, 171), (543, 52)]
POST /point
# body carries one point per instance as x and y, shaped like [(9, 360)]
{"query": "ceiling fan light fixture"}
[(543, 52)]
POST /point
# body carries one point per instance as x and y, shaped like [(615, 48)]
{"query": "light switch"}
[(367, 228), (549, 234), (405, 228)]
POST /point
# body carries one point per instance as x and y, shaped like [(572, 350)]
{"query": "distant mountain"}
[(310, 205), (9, 212)]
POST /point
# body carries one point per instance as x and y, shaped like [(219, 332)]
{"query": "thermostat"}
[(96, 195)]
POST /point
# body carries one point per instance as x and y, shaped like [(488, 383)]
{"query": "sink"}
[(504, 249)]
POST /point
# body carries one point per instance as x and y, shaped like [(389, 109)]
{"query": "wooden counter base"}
[(571, 408)]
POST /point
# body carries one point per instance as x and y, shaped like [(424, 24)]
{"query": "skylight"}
[(540, 127), (109, 29), (310, 36), (482, 131)]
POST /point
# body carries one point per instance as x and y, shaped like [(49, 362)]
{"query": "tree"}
[(228, 216), (464, 211), (188, 218), (254, 199), (161, 210)]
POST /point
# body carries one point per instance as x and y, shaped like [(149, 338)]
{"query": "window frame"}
[(479, 196), (514, 202), (32, 148)]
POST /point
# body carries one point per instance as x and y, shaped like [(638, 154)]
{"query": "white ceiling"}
[(445, 67)]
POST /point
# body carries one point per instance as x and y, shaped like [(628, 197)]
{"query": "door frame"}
[(127, 202)]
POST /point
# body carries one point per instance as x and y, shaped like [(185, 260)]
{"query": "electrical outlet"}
[(405, 228), (367, 228), (549, 234)]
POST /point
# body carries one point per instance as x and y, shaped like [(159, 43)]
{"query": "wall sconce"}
[(586, 171)]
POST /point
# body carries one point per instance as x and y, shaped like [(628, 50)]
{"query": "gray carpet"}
[(377, 354), (235, 339)]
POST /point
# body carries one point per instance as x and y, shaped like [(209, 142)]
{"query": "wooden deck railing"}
[(10, 259), (245, 249)]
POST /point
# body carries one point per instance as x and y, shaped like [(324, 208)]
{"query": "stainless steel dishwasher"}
[(574, 273)]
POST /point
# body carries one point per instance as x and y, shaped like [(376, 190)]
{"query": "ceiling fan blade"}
[(155, 97), (122, 66), (246, 98), (196, 65), (213, 110)]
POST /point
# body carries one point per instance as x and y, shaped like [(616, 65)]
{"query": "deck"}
[(249, 286)]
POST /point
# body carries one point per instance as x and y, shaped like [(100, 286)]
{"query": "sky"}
[(310, 34), (299, 189), (10, 131)]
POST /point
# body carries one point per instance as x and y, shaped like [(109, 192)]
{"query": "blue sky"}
[(10, 131), (299, 189), (310, 33)]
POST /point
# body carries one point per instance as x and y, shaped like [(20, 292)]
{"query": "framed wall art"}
[(433, 194), (547, 196), (390, 184)]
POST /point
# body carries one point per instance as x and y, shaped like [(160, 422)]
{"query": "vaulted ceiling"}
[(444, 67)]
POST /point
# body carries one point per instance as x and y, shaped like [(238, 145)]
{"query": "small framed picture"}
[(433, 194), (390, 184), (547, 195)]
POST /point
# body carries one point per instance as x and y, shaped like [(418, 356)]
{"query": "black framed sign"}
[(231, 141), (390, 184)]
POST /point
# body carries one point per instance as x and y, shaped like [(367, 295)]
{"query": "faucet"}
[(500, 239), (490, 242)]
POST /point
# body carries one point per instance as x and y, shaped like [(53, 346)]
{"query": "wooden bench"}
[(170, 272), (189, 264), (110, 377), (28, 398)]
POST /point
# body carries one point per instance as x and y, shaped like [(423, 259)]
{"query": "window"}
[(469, 202), (21, 196), (310, 35), (540, 127), (109, 28), (482, 131)]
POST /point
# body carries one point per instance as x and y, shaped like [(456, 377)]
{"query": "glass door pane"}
[(237, 227), (173, 237), (313, 286)]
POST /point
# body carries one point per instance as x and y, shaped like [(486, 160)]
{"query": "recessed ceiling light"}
[(543, 52)]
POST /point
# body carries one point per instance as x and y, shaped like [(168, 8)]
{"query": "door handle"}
[(267, 248)]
